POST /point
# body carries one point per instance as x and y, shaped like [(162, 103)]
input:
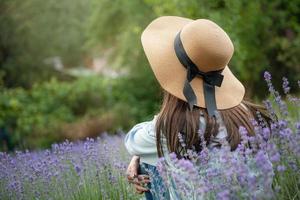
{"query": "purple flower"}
[(224, 195), (286, 133), (185, 164), (243, 131), (267, 76), (285, 85), (261, 160), (173, 156), (282, 123), (270, 109), (181, 140), (281, 168), (266, 133), (275, 158)]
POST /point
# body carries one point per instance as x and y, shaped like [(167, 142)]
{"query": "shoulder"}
[(147, 127), (141, 139)]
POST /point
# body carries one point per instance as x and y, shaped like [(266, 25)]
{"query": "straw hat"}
[(206, 45)]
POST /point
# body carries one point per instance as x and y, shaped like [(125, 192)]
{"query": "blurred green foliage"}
[(34, 118), (34, 106), (32, 31), (266, 34)]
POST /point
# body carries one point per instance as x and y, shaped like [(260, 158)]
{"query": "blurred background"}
[(75, 68)]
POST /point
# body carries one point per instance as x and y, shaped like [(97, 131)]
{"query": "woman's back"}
[(207, 157), (203, 111)]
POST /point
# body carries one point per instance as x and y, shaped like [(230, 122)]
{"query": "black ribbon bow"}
[(210, 79)]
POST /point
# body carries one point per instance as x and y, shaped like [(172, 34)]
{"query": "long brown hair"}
[(175, 117)]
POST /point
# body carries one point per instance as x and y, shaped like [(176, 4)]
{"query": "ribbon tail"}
[(189, 94), (210, 99)]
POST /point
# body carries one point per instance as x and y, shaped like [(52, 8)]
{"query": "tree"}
[(34, 30), (265, 34)]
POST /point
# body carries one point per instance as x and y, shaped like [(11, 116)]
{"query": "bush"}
[(33, 118)]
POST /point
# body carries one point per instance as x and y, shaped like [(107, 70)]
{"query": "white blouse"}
[(141, 140)]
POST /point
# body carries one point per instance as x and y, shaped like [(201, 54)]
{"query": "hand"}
[(139, 181)]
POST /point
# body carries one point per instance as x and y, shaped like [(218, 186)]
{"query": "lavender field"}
[(74, 75), (95, 168), (90, 169)]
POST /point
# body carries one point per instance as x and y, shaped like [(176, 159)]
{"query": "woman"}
[(190, 61)]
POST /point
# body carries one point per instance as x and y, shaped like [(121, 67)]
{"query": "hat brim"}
[(158, 43)]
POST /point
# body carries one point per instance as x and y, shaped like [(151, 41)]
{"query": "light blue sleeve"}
[(141, 139)]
